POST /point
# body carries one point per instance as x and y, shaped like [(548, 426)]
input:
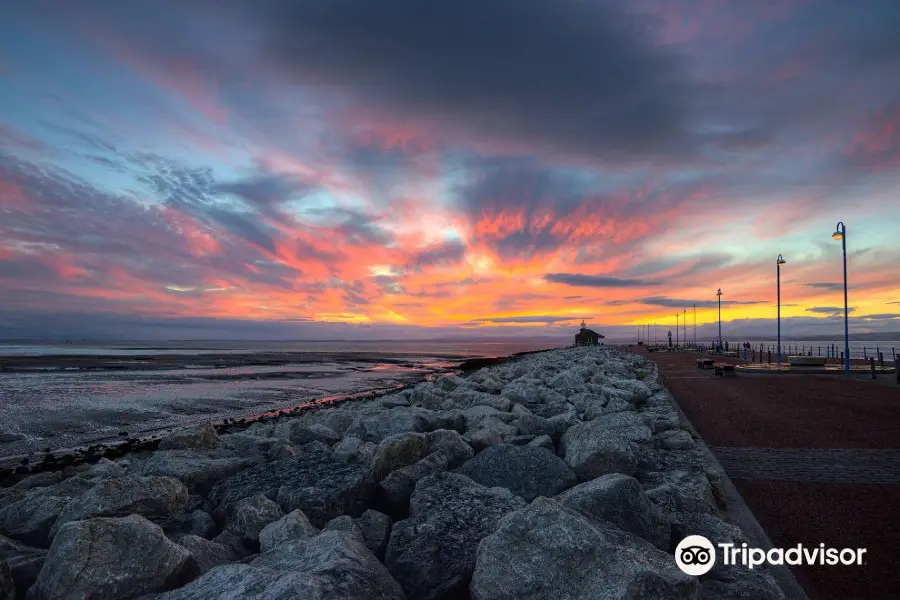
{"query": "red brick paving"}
[(799, 411)]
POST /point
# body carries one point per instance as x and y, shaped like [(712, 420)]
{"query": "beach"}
[(61, 396)]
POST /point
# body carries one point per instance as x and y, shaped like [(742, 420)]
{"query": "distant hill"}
[(854, 337)]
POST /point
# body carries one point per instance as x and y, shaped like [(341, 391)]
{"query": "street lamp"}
[(676, 330), (719, 294), (840, 233), (778, 262)]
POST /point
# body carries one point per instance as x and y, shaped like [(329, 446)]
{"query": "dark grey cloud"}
[(583, 76), (826, 286), (574, 279), (449, 252), (829, 310), (264, 191), (680, 303), (880, 316)]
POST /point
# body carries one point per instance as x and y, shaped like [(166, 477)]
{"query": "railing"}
[(769, 352)]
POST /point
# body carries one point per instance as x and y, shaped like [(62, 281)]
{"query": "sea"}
[(60, 407)]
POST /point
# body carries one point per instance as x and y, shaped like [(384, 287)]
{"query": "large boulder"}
[(620, 500), (405, 449), (526, 471), (196, 522), (678, 494), (301, 434), (376, 531), (31, 518), (247, 517), (198, 471), (23, 564), (314, 481), (159, 499), (206, 553), (111, 559), (292, 526), (432, 554), (331, 566), (376, 427), (549, 552), (592, 450), (202, 436), (394, 492)]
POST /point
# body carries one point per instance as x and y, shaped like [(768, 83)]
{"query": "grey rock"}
[(533, 425), (7, 584), (549, 552), (159, 499), (348, 449), (244, 445), (485, 437), (557, 406), (106, 468), (591, 450), (718, 532), (346, 524), (110, 559), (620, 500), (261, 428), (300, 434), (376, 531), (656, 459), (197, 522), (679, 493), (292, 526), (394, 401), (320, 485), (374, 428), (405, 449), (30, 519), (207, 554), (39, 480), (23, 563), (330, 566), (248, 516), (197, 471), (432, 554), (526, 471), (521, 440), (233, 543), (674, 439), (395, 490), (282, 450), (543, 441), (202, 436), (520, 410), (562, 423)]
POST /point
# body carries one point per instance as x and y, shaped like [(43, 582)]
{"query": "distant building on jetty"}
[(587, 337)]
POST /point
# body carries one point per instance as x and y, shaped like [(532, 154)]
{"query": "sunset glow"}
[(167, 163)]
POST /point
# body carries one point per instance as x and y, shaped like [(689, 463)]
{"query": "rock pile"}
[(560, 475)]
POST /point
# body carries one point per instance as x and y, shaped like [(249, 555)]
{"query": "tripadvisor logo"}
[(696, 555)]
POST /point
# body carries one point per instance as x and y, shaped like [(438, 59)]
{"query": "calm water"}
[(64, 409)]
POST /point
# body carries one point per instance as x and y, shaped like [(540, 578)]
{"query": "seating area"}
[(705, 363), (807, 361), (725, 370)]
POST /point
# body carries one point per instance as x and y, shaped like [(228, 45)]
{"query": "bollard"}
[(881, 360), (865, 355), (819, 351), (872, 365), (769, 360), (897, 367)]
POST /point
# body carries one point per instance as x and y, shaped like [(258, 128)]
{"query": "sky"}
[(355, 169)]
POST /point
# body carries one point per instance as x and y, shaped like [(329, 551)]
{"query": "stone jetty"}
[(566, 474)]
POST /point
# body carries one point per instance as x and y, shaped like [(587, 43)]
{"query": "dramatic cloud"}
[(575, 279), (582, 76), (311, 169)]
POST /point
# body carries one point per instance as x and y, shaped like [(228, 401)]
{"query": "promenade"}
[(816, 459)]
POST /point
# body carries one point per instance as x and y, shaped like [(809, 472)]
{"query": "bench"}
[(807, 361), (704, 363), (725, 370)]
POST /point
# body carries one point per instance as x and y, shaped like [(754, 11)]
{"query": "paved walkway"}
[(816, 458)]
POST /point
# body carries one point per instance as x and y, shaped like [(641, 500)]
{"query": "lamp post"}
[(684, 324), (840, 233), (778, 262), (695, 326), (676, 330), (719, 294)]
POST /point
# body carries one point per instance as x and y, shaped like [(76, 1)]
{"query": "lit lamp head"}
[(719, 292), (839, 231), (780, 262)]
